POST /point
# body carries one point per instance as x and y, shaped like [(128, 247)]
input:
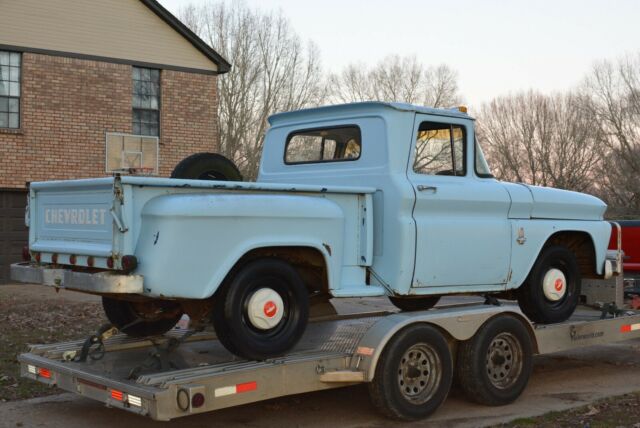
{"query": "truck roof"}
[(358, 108)]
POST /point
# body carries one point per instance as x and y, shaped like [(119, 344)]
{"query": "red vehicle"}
[(630, 246)]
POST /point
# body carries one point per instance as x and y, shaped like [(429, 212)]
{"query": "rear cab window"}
[(334, 144)]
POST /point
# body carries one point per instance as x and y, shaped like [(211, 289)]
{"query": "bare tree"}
[(272, 71), (396, 78), (539, 139), (611, 96)]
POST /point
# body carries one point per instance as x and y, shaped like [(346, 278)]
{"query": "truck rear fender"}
[(190, 242), (454, 328)]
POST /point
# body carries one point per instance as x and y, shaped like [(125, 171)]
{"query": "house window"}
[(9, 89), (146, 101)]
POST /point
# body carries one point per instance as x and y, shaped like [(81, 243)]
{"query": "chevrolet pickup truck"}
[(365, 199)]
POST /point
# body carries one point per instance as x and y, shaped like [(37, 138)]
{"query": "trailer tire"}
[(262, 310), (413, 375), (411, 304), (556, 266), (494, 366), (164, 316), (207, 166)]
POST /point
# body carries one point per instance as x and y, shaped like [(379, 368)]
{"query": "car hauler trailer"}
[(409, 360)]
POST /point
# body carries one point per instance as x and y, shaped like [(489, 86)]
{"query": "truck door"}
[(463, 233)]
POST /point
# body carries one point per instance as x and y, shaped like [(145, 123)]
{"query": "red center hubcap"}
[(270, 309), (558, 284)]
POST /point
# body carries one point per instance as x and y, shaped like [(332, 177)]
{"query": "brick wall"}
[(68, 105)]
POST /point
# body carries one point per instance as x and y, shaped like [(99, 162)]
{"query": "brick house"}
[(73, 72)]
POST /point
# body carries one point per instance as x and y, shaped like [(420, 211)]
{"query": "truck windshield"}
[(482, 167)]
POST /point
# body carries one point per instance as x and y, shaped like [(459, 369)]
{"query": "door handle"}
[(423, 188)]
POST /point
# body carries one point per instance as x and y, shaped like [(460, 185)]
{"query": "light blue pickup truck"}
[(366, 199)]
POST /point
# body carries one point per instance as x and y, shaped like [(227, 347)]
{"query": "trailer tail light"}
[(117, 395), (44, 373), (197, 400), (26, 255), (72, 259), (129, 263)]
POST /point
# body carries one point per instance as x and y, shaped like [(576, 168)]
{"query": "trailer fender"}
[(456, 327)]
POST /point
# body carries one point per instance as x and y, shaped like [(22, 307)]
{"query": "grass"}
[(613, 412), (28, 320)]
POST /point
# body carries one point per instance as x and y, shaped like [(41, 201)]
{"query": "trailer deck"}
[(201, 375)]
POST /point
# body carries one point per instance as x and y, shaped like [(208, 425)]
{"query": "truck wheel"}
[(262, 311), (414, 374), (410, 304), (551, 291), (207, 166), (153, 317), (493, 367)]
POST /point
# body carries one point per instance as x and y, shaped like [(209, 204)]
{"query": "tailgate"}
[(72, 217)]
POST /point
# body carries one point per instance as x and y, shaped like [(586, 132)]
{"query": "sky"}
[(496, 46)]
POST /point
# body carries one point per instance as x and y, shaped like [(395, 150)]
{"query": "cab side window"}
[(440, 150)]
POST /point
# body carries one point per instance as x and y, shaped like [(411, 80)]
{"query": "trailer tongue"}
[(153, 378)]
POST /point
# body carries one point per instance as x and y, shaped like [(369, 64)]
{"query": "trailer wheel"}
[(494, 366), (410, 304), (150, 318), (207, 166), (551, 291), (414, 374), (262, 311)]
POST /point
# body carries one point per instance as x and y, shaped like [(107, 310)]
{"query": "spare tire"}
[(207, 166)]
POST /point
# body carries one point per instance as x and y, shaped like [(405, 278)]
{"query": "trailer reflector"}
[(44, 373), (134, 401), (31, 369), (629, 327), (235, 389), (117, 395)]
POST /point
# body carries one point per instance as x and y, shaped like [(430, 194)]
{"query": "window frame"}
[(465, 136), (19, 97), (476, 146), (321, 128), (142, 109)]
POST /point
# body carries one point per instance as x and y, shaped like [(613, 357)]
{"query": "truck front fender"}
[(188, 243), (536, 234)]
